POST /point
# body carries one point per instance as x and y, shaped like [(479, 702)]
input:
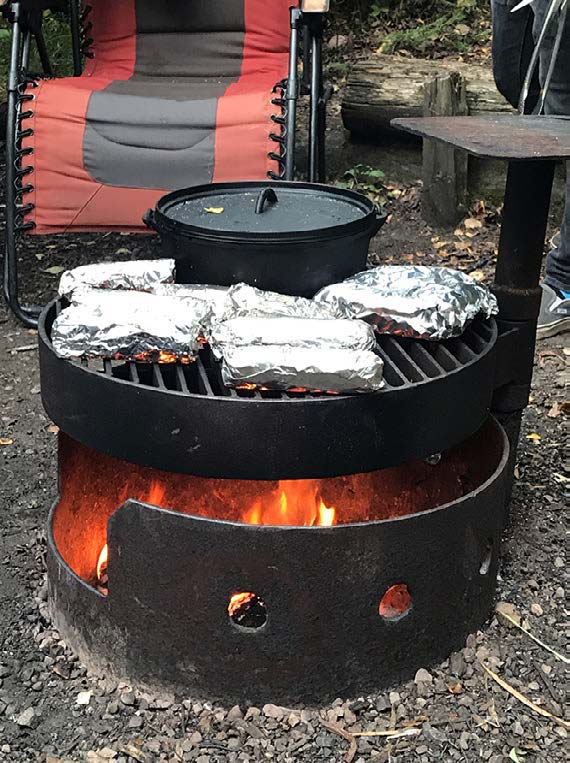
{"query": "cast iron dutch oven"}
[(293, 238)]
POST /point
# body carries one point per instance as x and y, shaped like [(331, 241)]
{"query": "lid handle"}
[(267, 195)]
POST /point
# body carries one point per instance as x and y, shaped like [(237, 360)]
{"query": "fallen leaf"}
[(514, 755), (477, 275), (507, 614), (525, 700), (6, 441), (472, 223), (214, 210), (455, 688), (54, 270), (555, 411), (134, 752), (543, 354), (390, 733), (53, 428), (340, 731), (123, 250), (534, 436)]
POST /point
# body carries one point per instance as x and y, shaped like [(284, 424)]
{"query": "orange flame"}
[(238, 600), (102, 563), (295, 502)]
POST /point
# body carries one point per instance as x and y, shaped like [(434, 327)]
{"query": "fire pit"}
[(316, 544), (251, 545)]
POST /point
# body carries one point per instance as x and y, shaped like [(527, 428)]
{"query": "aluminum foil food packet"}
[(213, 296), (129, 325), (138, 275), (416, 301), (335, 333), (282, 367), (246, 301)]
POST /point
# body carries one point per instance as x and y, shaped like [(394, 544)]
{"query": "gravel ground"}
[(51, 711)]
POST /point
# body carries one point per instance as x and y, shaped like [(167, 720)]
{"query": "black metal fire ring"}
[(182, 419), (324, 632)]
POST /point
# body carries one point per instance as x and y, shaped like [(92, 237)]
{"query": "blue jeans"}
[(513, 42)]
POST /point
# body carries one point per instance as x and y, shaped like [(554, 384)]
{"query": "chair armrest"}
[(315, 6)]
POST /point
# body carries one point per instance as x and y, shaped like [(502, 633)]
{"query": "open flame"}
[(295, 502), (102, 578)]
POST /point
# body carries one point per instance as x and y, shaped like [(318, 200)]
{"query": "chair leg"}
[(26, 314), (75, 19)]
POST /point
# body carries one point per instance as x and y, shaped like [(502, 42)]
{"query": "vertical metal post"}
[(43, 53), (517, 278), (316, 95), (75, 20), (292, 94), (10, 284)]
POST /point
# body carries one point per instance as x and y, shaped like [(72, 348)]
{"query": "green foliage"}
[(365, 179), (58, 40), (457, 29)]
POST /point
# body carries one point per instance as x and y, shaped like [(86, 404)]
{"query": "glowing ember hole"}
[(247, 610), (396, 602)]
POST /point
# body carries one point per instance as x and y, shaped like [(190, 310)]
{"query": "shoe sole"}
[(553, 329)]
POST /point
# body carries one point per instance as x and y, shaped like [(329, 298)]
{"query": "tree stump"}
[(444, 167)]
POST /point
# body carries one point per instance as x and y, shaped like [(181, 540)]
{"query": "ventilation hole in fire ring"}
[(247, 610), (487, 558), (396, 602)]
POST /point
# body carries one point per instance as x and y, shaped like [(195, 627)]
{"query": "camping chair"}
[(173, 93)]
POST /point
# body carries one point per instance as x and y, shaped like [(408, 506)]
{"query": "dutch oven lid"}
[(262, 208)]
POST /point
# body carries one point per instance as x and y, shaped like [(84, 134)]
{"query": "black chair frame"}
[(25, 18)]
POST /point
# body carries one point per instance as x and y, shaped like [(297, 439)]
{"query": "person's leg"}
[(512, 49), (555, 308)]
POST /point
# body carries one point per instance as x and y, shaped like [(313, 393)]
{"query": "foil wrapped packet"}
[(213, 296), (138, 275), (335, 333), (247, 301), (417, 301), (129, 325), (281, 367)]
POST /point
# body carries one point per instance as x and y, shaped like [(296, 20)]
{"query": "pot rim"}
[(371, 221)]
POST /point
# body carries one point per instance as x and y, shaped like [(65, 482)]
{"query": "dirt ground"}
[(51, 711)]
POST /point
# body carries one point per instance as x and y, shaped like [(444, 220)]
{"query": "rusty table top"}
[(500, 136)]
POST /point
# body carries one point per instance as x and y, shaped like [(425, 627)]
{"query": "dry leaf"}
[(6, 441), (53, 428), (555, 411), (214, 210), (525, 700), (390, 733), (477, 275), (534, 436), (54, 270), (134, 752), (336, 729), (455, 688), (472, 223), (509, 616)]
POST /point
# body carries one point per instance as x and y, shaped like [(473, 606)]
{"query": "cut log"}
[(386, 87), (444, 167)]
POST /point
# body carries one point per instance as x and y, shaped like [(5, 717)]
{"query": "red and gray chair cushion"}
[(178, 93)]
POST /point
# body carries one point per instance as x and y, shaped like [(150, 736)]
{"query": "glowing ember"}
[(295, 502), (238, 601), (247, 610)]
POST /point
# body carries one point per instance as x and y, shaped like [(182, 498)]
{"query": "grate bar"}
[(406, 362)]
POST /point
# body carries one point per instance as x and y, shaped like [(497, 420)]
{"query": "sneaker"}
[(554, 316)]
